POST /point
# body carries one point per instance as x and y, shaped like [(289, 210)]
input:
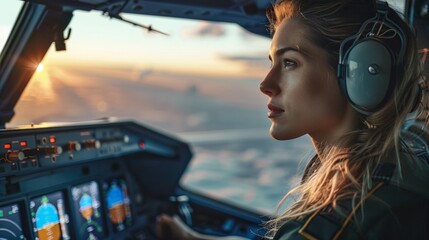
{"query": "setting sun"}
[(39, 68)]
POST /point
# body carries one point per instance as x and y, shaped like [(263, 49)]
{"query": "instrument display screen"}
[(118, 203), (49, 217), (86, 201), (10, 222)]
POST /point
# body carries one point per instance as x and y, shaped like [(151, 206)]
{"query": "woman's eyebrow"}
[(281, 51)]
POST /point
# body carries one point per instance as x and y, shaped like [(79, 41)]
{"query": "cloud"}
[(256, 62), (206, 29), (243, 58), (256, 65), (145, 73)]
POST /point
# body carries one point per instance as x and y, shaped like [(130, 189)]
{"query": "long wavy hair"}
[(345, 172)]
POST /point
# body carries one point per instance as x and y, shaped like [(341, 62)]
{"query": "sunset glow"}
[(40, 68)]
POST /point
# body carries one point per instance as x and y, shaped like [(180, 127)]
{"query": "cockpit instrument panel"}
[(85, 181)]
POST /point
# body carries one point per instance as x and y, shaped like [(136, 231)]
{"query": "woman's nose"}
[(268, 86), (265, 90)]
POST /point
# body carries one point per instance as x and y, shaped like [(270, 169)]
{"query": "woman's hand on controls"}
[(173, 228)]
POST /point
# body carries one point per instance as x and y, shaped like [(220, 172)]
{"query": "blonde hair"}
[(345, 171)]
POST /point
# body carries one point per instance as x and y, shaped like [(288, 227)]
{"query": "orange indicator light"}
[(23, 143), (7, 146), (52, 140)]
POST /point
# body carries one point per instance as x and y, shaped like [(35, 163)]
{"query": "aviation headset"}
[(368, 68)]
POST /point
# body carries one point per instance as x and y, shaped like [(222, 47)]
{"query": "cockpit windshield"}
[(8, 16)]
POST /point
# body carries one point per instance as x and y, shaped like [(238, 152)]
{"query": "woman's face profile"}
[(304, 97)]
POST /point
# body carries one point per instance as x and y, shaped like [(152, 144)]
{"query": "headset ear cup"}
[(367, 75), (368, 69)]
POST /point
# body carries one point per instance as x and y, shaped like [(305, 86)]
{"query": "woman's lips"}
[(274, 111)]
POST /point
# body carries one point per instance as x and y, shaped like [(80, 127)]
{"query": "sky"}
[(223, 61), (193, 46)]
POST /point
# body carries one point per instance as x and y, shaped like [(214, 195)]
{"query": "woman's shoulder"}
[(411, 172), (387, 212), (396, 207)]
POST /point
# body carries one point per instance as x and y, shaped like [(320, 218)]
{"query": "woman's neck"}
[(333, 138)]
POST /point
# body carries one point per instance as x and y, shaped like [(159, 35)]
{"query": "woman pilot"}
[(347, 73)]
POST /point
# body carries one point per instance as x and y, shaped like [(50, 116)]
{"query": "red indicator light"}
[(52, 139), (141, 144), (7, 146), (23, 143)]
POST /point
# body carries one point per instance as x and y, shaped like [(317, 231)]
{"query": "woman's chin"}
[(282, 134), (278, 135)]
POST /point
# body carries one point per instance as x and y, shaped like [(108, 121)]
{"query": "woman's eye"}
[(289, 64)]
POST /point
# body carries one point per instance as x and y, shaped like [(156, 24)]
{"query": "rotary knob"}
[(92, 144), (75, 146), (53, 150), (14, 156)]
